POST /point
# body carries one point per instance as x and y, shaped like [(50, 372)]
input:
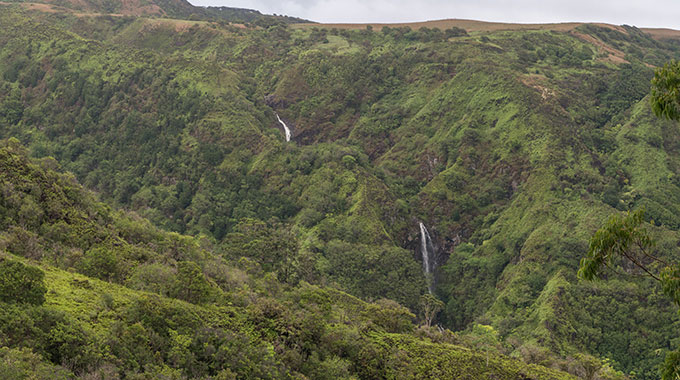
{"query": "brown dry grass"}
[(663, 33), (469, 25), (484, 26), (51, 8), (613, 55), (83, 8), (37, 6), (137, 8), (41, 7)]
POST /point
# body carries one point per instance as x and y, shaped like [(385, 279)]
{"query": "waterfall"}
[(427, 250), (285, 127)]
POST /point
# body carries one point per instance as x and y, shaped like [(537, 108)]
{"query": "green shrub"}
[(101, 263), (20, 283), (191, 284)]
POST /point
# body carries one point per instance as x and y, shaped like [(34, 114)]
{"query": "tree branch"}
[(644, 251), (632, 259), (611, 268)]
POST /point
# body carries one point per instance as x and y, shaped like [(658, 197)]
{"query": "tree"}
[(430, 306), (23, 363), (102, 263), (272, 244), (485, 338), (191, 285), (623, 237), (624, 241), (666, 91), (21, 283), (391, 316)]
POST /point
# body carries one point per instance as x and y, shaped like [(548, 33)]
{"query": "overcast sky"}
[(652, 13)]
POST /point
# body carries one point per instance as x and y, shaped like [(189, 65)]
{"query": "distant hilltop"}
[(485, 26), (180, 9)]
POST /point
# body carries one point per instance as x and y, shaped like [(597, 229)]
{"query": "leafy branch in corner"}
[(624, 237)]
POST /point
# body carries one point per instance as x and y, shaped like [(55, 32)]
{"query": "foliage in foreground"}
[(625, 243)]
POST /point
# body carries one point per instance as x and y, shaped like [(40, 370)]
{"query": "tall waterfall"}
[(285, 127), (427, 250)]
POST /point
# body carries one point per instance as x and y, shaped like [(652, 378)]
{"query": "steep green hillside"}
[(222, 322), (511, 147)]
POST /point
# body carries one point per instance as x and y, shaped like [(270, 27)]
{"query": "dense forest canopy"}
[(213, 248)]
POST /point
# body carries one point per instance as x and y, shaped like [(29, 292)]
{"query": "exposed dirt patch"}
[(536, 81), (138, 8), (80, 5), (37, 6), (41, 7), (613, 55)]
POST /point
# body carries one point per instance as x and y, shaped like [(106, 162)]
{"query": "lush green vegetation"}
[(512, 147), (624, 241), (170, 308)]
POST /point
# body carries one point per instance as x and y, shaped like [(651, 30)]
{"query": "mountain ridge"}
[(181, 9), (467, 24), (489, 26)]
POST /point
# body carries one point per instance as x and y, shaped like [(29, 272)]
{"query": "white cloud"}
[(660, 13)]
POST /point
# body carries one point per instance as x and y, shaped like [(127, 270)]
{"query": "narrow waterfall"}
[(285, 127), (427, 250)]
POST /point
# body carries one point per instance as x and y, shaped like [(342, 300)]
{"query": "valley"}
[(218, 193)]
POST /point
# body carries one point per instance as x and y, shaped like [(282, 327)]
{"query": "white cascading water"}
[(285, 127), (425, 244)]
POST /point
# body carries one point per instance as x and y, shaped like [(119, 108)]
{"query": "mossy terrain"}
[(511, 146)]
